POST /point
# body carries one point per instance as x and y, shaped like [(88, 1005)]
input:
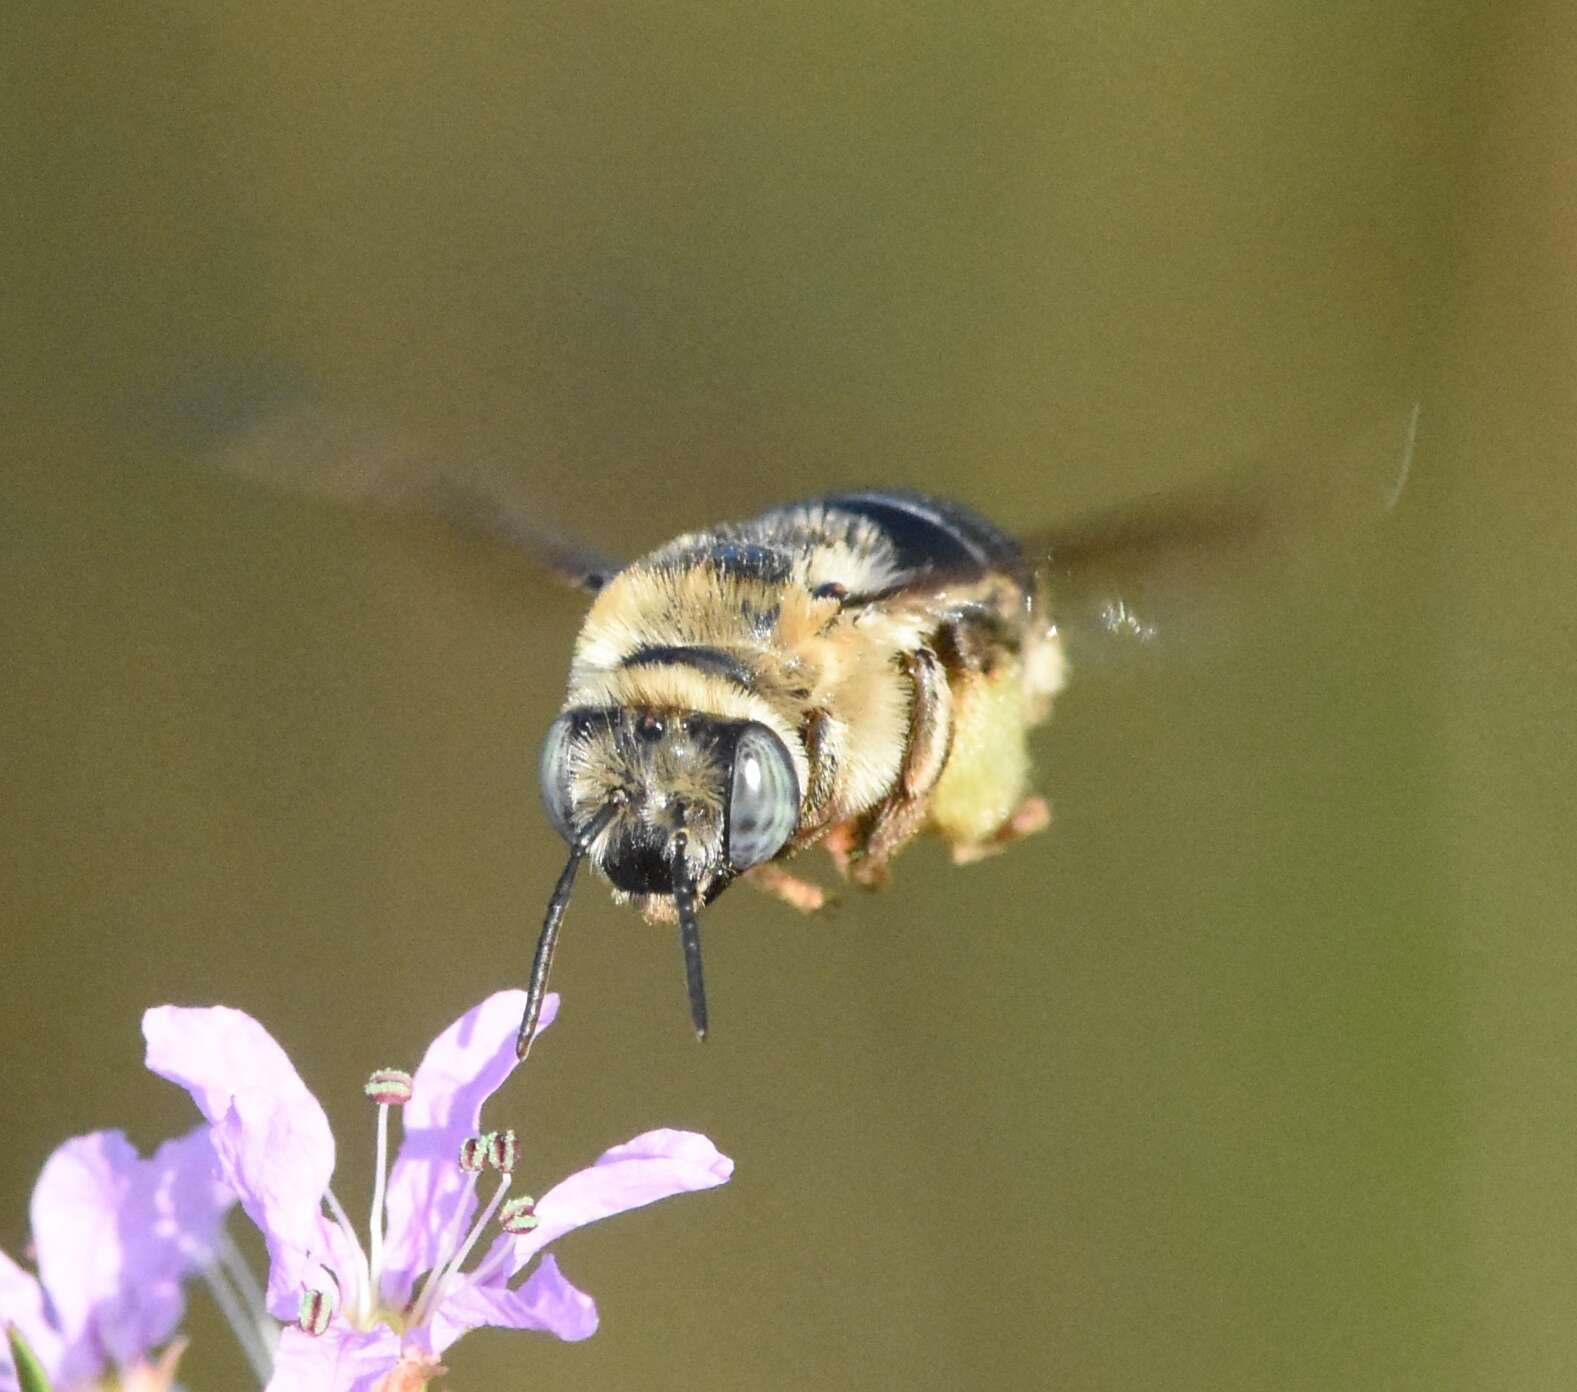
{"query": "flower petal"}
[(464, 1066), (216, 1052), (652, 1166), (272, 1140), (22, 1305), (91, 1267), (116, 1235), (281, 1179), (178, 1204), (546, 1301), (168, 1229), (338, 1360)]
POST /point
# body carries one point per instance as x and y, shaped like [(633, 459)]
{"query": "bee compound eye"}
[(554, 776), (763, 801)]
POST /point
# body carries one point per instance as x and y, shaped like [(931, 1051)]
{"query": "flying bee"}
[(849, 671), (852, 671)]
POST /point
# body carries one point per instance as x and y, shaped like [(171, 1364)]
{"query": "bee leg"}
[(1034, 814), (899, 819), (844, 843), (823, 739), (793, 891)]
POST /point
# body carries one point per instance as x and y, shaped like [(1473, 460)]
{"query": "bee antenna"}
[(543, 961), (689, 935)]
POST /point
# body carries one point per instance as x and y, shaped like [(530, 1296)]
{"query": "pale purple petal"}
[(215, 1052), (464, 1066), (178, 1204), (22, 1305), (281, 1178), (546, 1301), (167, 1227), (652, 1166), (272, 1139), (341, 1253), (338, 1360), (116, 1235), (84, 1261)]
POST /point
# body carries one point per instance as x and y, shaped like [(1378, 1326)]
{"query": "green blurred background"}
[(1258, 1072)]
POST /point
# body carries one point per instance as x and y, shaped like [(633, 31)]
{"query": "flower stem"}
[(246, 1331), (245, 1282)]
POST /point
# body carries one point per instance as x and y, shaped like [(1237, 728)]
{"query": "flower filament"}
[(360, 1286)]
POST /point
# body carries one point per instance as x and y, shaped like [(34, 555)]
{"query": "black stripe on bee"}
[(747, 561), (714, 662), (736, 560), (931, 533)]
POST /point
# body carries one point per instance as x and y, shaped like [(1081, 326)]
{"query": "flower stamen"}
[(503, 1151), (500, 1149), (314, 1311), (388, 1087), (361, 1278), (519, 1215)]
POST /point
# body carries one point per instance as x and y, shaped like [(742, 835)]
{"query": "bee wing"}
[(1126, 571), (298, 447), (1121, 571), (488, 513)]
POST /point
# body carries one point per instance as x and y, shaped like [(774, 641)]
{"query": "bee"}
[(850, 672)]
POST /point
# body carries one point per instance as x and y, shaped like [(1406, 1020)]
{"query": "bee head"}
[(669, 806), (728, 785)]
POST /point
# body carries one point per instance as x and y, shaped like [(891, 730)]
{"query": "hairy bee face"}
[(728, 786)]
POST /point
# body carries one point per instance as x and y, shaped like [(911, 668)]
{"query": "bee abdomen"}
[(732, 558), (928, 532)]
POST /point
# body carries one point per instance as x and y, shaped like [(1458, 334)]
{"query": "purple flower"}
[(115, 1235), (364, 1318)]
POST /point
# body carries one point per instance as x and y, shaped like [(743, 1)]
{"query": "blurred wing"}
[(1125, 571), (489, 514), (300, 448)]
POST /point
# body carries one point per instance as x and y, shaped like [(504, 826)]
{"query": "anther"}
[(473, 1152), (519, 1215), (389, 1087), (503, 1150), (314, 1311)]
